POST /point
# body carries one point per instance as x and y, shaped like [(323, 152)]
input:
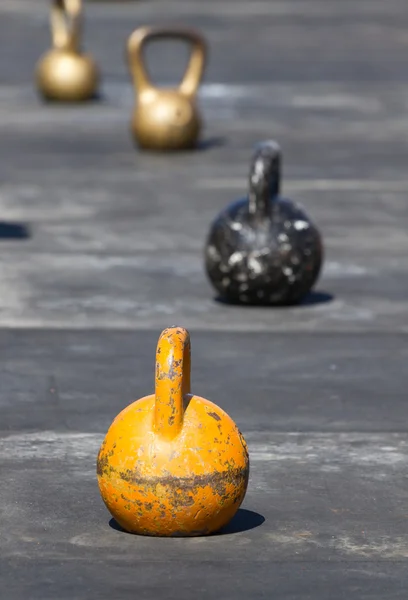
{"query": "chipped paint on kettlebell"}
[(173, 464)]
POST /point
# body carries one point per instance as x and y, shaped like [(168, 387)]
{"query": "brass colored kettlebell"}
[(173, 464), (65, 74), (163, 118)]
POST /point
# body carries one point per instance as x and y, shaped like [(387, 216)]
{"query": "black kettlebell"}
[(263, 249)]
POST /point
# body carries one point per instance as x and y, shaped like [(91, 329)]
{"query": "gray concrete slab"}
[(101, 248), (325, 510), (60, 380), (104, 220), (138, 292), (283, 40)]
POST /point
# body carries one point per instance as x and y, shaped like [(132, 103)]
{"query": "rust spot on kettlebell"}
[(214, 416)]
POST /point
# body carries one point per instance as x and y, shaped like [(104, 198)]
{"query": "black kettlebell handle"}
[(264, 178)]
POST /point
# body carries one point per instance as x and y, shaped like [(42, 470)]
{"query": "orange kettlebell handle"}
[(65, 24), (172, 382), (195, 67)]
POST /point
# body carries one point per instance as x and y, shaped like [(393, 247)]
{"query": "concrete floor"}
[(101, 248)]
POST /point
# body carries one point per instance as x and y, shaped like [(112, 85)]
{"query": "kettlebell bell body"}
[(65, 74), (263, 249), (166, 119), (173, 463)]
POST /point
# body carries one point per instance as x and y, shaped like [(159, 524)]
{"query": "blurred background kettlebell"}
[(173, 464), (263, 249), (65, 74), (166, 118)]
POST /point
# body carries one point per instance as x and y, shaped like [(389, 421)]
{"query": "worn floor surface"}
[(101, 248)]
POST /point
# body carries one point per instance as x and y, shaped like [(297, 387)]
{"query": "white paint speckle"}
[(301, 225), (254, 265), (235, 258)]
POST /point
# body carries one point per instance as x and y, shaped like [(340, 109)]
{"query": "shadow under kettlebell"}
[(14, 231), (97, 97), (203, 145), (210, 143), (244, 520), (313, 298)]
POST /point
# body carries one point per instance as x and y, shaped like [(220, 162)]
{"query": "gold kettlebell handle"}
[(65, 20), (172, 381), (195, 68)]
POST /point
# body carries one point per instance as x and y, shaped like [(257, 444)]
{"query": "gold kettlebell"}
[(166, 118), (65, 74)]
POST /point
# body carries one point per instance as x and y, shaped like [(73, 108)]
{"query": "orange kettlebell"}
[(172, 463)]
